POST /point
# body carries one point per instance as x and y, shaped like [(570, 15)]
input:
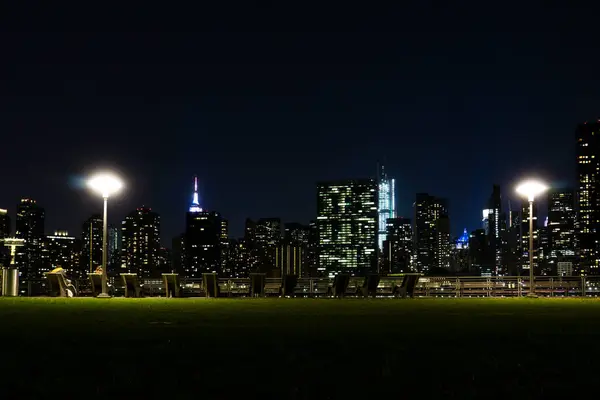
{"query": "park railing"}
[(426, 286)]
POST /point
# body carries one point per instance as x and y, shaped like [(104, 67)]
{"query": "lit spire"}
[(195, 206)]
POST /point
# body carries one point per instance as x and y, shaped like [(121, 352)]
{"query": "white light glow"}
[(105, 184), (531, 188)]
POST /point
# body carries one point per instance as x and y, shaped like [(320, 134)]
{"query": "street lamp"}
[(106, 185), (530, 189)]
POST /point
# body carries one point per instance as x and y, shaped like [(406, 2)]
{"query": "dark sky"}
[(263, 101)]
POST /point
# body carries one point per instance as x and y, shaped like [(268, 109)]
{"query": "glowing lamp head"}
[(530, 189), (105, 184)]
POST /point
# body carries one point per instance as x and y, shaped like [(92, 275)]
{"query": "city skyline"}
[(196, 203), (261, 117)]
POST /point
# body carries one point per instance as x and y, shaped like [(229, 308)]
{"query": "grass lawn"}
[(299, 348)]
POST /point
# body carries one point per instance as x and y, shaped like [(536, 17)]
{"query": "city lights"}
[(530, 189), (105, 184)]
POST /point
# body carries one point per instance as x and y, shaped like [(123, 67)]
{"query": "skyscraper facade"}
[(525, 236), (114, 248), (267, 244), (4, 233), (496, 227), (386, 203), (62, 250), (293, 251), (4, 223), (91, 244), (204, 235), (432, 232), (202, 240), (588, 191), (561, 227), (398, 246), (29, 226), (347, 225), (140, 235)]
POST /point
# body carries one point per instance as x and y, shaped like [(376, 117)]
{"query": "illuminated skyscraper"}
[(114, 248), (525, 236), (432, 232), (398, 246), (91, 244), (561, 226), (29, 226), (386, 203), (62, 250), (4, 224), (267, 244), (4, 233), (293, 251), (496, 222), (347, 215), (588, 199), (141, 242), (202, 241)]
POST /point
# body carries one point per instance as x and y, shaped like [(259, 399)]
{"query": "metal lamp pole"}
[(531, 283), (104, 249)]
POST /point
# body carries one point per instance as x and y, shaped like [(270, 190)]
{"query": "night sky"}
[(454, 98)]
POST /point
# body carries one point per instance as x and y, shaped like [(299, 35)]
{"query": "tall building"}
[(165, 260), (432, 232), (398, 246), (4, 223), (347, 216), (4, 233), (525, 236), (140, 235), (114, 248), (62, 250), (250, 244), (460, 254), (267, 242), (91, 244), (496, 222), (511, 254), (29, 226), (478, 253), (588, 191), (386, 203), (312, 251), (202, 242), (293, 251), (561, 226)]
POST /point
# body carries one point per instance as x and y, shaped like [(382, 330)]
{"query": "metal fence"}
[(455, 286)]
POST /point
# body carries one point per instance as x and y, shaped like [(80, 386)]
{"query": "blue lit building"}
[(386, 204), (463, 241)]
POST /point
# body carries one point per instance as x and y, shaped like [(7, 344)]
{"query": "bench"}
[(172, 285), (257, 284), (288, 285), (340, 285), (96, 283), (407, 288), (210, 282), (369, 286), (132, 285), (58, 286)]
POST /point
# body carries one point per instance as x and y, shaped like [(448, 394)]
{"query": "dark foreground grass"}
[(298, 349)]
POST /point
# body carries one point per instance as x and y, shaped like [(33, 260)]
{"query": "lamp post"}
[(530, 189), (106, 185)]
